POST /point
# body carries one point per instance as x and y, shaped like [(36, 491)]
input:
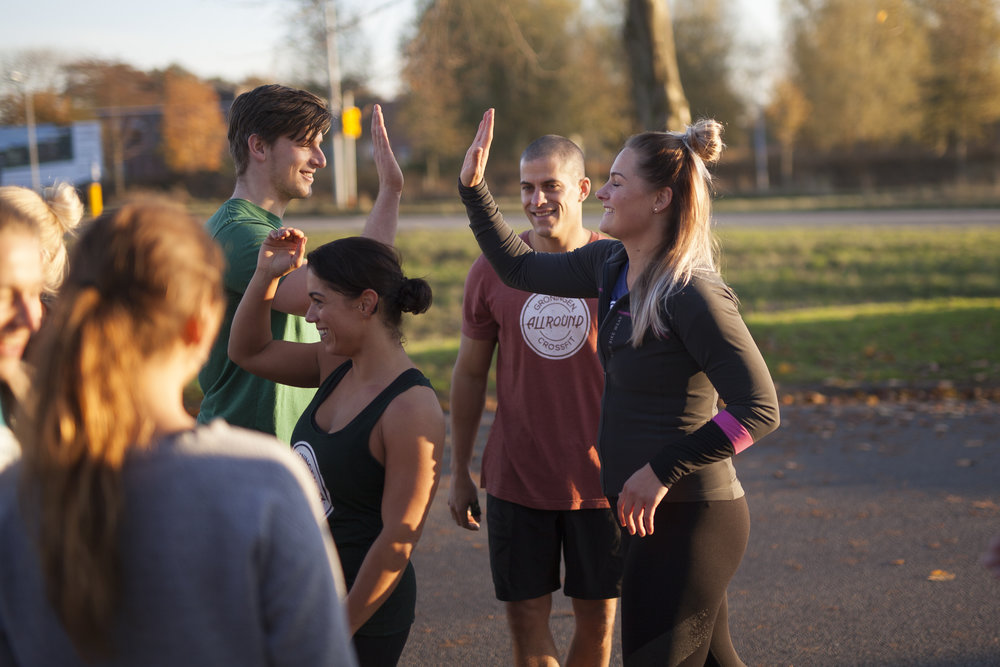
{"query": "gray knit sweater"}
[(226, 561)]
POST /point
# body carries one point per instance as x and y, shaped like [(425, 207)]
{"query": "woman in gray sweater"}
[(130, 536)]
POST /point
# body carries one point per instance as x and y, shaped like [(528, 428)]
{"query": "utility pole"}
[(342, 153), (29, 113)]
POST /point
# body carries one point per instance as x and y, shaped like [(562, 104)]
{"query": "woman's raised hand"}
[(474, 167), (283, 251)]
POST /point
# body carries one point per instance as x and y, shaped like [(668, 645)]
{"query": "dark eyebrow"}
[(313, 295)]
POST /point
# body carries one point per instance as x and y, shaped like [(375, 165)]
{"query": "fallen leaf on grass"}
[(941, 575)]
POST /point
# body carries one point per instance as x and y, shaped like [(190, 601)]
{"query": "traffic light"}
[(350, 121)]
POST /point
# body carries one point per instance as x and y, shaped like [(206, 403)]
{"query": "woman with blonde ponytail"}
[(131, 536), (673, 344)]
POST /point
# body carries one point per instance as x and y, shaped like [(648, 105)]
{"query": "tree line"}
[(856, 90)]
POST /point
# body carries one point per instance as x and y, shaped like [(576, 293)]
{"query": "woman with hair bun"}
[(672, 343), (57, 213), (373, 434), (32, 265), (22, 280), (131, 535)]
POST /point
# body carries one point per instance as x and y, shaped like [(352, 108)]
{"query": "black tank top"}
[(351, 483)]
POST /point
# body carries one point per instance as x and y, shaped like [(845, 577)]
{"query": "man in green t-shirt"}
[(275, 137)]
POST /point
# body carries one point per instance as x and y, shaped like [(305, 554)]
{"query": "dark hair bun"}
[(414, 296)]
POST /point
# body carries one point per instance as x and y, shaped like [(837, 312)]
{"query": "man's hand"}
[(463, 501), (474, 167), (390, 176)]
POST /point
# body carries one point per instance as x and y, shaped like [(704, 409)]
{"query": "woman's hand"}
[(638, 500), (282, 252), (474, 167)]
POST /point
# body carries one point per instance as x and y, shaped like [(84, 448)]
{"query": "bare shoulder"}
[(417, 405)]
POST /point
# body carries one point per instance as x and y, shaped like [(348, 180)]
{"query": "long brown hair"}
[(137, 276), (678, 161)]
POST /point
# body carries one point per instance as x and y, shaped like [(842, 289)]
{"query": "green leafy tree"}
[(859, 64), (542, 77), (963, 84)]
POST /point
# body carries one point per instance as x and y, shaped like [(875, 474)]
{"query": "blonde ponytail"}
[(678, 161)]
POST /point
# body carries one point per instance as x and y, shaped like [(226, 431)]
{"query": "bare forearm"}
[(468, 400), (383, 220), (380, 573), (384, 217), (251, 328)]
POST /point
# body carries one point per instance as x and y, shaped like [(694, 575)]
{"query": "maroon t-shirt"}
[(541, 450)]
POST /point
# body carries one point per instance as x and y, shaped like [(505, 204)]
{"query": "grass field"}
[(848, 310)]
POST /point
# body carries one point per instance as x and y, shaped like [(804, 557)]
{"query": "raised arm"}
[(572, 274), (381, 225), (251, 343), (384, 217), (412, 434)]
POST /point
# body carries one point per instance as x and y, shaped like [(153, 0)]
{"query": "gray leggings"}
[(674, 609)]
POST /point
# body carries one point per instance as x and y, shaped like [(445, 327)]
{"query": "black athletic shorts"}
[(527, 545)]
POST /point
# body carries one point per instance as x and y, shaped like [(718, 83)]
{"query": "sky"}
[(230, 39)]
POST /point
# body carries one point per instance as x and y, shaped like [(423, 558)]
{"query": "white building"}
[(70, 153)]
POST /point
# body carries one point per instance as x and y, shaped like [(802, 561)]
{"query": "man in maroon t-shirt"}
[(540, 467)]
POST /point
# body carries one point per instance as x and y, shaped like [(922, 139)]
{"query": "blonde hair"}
[(136, 278), (56, 213), (678, 161)]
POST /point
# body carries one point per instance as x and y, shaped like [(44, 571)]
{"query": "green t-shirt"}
[(239, 397)]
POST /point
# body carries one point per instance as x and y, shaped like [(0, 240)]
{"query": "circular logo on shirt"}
[(303, 449), (553, 326)]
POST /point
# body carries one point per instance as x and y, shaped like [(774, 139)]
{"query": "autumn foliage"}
[(194, 131)]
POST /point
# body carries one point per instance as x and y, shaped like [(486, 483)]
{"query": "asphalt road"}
[(867, 523)]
